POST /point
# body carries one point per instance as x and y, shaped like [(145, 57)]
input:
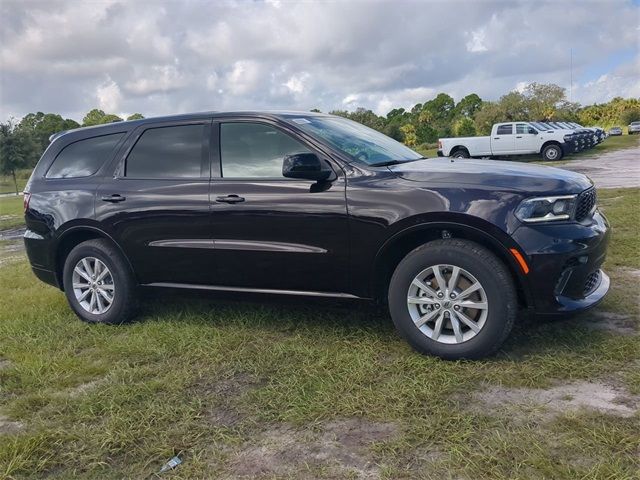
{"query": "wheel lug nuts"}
[(456, 307), (453, 295), (440, 295), (437, 306)]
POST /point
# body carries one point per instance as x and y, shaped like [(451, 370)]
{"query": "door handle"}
[(230, 199), (496, 138), (115, 198), (519, 137)]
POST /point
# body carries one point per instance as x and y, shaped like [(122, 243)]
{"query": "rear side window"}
[(505, 129), (84, 157), (169, 152)]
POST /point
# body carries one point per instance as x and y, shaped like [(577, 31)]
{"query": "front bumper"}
[(565, 263)]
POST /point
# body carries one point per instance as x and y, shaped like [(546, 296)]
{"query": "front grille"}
[(586, 204), (592, 282)]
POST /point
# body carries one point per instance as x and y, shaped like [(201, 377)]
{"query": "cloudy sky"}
[(159, 57)]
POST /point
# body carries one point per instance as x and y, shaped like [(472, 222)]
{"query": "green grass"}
[(7, 185), (206, 378), (11, 212)]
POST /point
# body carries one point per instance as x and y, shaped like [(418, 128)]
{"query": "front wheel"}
[(551, 153), (453, 299)]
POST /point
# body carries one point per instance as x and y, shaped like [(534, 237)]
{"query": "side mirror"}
[(533, 131), (306, 166)]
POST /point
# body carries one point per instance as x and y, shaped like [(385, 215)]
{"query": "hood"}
[(504, 175)]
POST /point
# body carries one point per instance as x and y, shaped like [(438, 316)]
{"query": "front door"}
[(272, 232), (156, 206)]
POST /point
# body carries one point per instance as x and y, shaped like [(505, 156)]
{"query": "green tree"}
[(135, 116), (409, 133), (98, 117), (468, 106), (465, 127), (15, 149)]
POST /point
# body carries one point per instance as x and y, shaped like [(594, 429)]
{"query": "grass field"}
[(273, 388), (11, 212)]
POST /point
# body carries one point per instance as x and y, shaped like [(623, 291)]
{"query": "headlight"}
[(545, 209), (568, 137)]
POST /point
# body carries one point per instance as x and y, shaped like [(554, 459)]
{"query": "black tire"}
[(124, 304), (486, 268), (551, 153), (460, 153)]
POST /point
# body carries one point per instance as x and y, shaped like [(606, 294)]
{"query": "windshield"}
[(359, 142), (541, 126)]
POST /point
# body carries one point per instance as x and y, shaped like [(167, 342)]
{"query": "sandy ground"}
[(617, 169)]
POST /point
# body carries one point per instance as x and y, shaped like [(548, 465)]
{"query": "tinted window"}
[(359, 142), (168, 152), (253, 150), (83, 158), (505, 129)]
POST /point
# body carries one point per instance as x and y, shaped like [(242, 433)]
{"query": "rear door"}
[(272, 232), (156, 205), (503, 141), (526, 139)]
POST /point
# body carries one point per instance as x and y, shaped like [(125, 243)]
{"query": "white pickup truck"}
[(511, 138)]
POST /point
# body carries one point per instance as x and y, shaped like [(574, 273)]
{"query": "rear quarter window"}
[(84, 157)]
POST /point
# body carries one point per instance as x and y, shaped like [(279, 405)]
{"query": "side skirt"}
[(220, 288)]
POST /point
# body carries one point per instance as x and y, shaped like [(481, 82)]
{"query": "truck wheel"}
[(551, 153), (453, 299), (98, 283), (460, 153)]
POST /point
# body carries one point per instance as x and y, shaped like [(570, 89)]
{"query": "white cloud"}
[(109, 96), (164, 56), (477, 42)]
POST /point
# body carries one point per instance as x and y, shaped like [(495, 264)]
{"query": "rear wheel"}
[(460, 153), (551, 153), (453, 299), (98, 283)]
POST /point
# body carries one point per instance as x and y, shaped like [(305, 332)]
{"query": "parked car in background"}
[(615, 131), (581, 138), (634, 127), (315, 205), (509, 139)]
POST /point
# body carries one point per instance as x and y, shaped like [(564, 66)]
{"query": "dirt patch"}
[(596, 396), (338, 449), (9, 426), (4, 363), (612, 322), (84, 388)]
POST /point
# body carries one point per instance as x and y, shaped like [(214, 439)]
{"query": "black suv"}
[(312, 204)]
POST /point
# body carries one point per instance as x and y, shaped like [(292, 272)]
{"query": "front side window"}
[(169, 152), (84, 157), (522, 128), (355, 140), (254, 150), (505, 129)]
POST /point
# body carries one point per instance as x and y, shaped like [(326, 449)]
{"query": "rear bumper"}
[(39, 250), (440, 154), (565, 264)]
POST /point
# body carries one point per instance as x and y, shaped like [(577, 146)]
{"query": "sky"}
[(163, 57)]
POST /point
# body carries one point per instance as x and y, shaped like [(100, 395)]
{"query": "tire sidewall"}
[(492, 282), (121, 280), (552, 147)]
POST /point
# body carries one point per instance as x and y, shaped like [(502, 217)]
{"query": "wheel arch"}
[(74, 236), (458, 148), (400, 244), (550, 142)]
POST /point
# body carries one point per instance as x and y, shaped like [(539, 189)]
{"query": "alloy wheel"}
[(447, 304), (93, 285)]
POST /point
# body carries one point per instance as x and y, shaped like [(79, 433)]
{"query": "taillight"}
[(25, 201)]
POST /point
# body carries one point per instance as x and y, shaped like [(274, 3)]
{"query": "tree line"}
[(22, 143)]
